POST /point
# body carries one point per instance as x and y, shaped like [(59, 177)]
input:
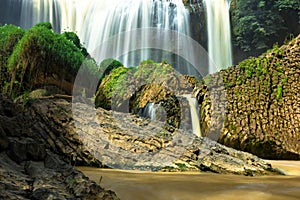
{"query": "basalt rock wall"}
[(254, 106)]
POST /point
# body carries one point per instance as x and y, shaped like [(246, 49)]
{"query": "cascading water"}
[(219, 35), (189, 113), (149, 111), (128, 15), (96, 21), (63, 14), (153, 111), (194, 114)]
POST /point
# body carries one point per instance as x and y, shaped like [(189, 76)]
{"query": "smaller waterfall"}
[(153, 111), (193, 104), (219, 34), (149, 111)]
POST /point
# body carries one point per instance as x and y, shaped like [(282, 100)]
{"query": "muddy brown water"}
[(137, 185)]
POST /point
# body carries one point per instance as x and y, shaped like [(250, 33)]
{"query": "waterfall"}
[(194, 114), (219, 35), (64, 15), (96, 21), (155, 112), (149, 111), (127, 15), (189, 115)]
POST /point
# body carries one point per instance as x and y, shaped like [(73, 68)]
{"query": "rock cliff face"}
[(258, 101), (30, 168)]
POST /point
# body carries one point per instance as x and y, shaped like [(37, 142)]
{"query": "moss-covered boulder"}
[(106, 89), (255, 106), (131, 89), (42, 57)]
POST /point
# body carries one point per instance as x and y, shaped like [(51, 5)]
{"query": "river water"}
[(137, 185)]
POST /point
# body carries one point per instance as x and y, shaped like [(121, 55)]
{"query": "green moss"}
[(108, 88), (240, 80), (116, 76), (122, 83), (46, 25), (279, 91), (146, 62), (41, 50), (75, 39), (233, 127), (107, 65), (181, 166), (283, 81), (259, 66), (207, 79), (150, 72)]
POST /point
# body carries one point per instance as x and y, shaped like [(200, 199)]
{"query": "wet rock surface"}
[(30, 169)]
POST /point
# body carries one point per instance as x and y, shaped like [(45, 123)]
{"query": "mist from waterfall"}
[(219, 34)]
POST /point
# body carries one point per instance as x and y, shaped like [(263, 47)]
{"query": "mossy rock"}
[(131, 89), (108, 86), (261, 108), (43, 57)]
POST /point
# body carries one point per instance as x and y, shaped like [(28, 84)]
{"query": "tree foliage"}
[(258, 24)]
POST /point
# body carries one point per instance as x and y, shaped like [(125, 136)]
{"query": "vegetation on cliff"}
[(131, 89), (258, 24)]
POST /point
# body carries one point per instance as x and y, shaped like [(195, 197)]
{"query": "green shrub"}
[(9, 37), (75, 39), (42, 52)]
